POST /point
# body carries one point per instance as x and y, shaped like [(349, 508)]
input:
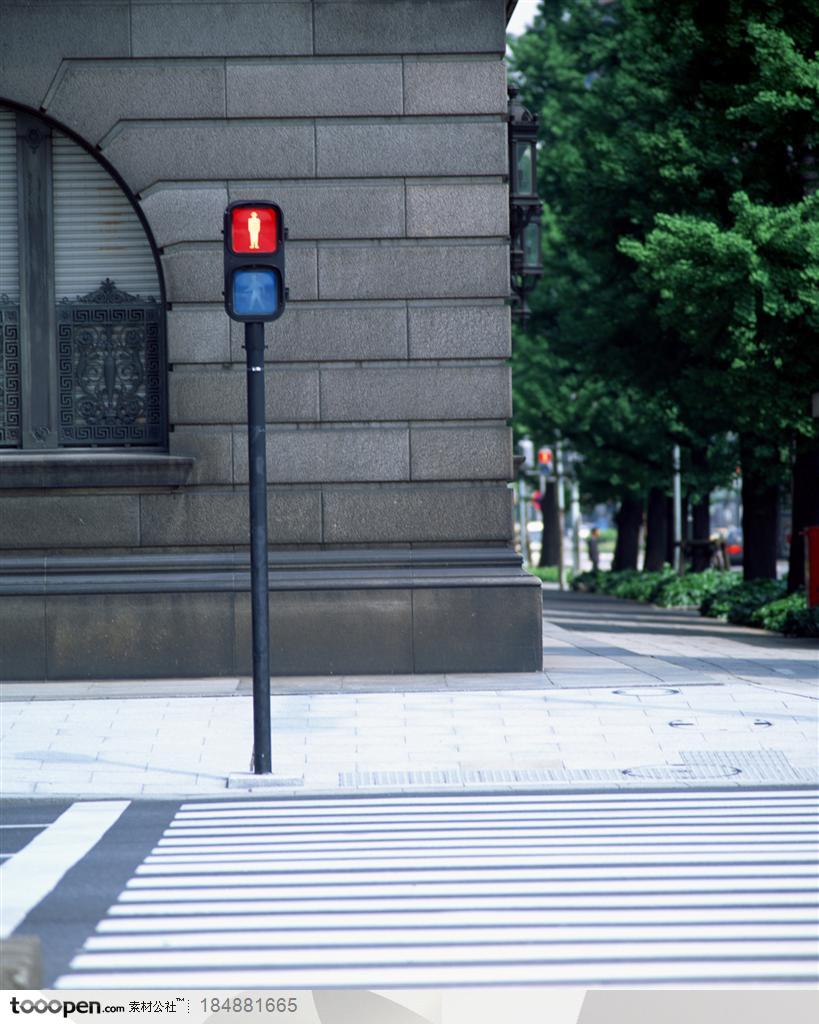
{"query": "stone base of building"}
[(187, 615)]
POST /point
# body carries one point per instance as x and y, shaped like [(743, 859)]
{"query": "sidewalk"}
[(631, 697)]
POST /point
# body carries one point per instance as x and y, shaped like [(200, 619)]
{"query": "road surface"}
[(636, 888)]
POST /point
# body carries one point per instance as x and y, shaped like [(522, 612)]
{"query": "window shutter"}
[(10, 410), (110, 352), (9, 282), (97, 234)]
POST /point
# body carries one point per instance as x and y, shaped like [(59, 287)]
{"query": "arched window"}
[(82, 356)]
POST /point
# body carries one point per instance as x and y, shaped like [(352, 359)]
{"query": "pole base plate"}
[(250, 780)]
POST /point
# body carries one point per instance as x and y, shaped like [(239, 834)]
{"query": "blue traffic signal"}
[(255, 292)]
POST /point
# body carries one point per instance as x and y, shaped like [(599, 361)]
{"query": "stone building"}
[(126, 126)]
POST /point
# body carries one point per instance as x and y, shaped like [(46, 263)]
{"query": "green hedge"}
[(717, 594), (664, 588), (741, 604), (788, 615), (630, 584), (691, 590), (548, 574)]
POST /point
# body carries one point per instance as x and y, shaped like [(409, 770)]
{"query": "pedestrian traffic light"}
[(545, 459), (254, 261)]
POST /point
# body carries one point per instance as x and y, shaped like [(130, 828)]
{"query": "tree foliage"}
[(680, 300)]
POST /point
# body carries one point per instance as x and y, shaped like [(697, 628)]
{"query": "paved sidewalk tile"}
[(578, 738)]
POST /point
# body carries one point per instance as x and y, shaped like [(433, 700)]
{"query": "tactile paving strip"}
[(755, 766)]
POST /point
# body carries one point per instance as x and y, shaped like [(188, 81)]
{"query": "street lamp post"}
[(675, 467), (561, 514)]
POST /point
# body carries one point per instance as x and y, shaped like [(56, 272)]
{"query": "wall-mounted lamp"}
[(525, 207)]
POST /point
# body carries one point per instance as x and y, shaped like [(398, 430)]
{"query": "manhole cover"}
[(682, 771)]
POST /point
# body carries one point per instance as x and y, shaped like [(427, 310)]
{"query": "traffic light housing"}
[(526, 447), (254, 261), (545, 460)]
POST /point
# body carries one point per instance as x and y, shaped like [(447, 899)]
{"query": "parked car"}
[(733, 545)]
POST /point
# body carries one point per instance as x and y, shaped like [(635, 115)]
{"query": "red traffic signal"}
[(545, 458), (254, 261), (254, 229)]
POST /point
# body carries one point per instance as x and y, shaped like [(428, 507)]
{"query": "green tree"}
[(681, 243), (744, 299)]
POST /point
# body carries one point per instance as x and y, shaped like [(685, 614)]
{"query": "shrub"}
[(719, 594), (587, 582), (716, 604), (629, 584), (789, 615), (739, 602), (801, 622), (751, 595), (664, 588), (690, 591), (547, 574), (633, 585)]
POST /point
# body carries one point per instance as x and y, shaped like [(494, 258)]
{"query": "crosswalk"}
[(621, 888), (30, 874)]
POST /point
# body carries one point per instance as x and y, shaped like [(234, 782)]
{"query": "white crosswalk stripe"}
[(619, 888)]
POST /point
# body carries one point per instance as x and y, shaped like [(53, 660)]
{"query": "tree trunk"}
[(686, 534), (805, 510), (701, 554), (629, 519), (656, 531), (760, 501), (550, 542), (701, 519), (669, 530)]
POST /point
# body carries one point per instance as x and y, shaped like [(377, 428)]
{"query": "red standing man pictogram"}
[(254, 226), (253, 229)]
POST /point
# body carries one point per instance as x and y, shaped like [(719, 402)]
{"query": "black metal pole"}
[(257, 466)]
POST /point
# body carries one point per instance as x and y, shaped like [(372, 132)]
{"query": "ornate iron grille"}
[(109, 369), (9, 373)]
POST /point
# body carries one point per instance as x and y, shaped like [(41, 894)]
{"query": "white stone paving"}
[(133, 746)]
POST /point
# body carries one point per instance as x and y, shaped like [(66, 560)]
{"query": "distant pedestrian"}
[(594, 548)]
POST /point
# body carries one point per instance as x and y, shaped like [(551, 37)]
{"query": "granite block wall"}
[(379, 128)]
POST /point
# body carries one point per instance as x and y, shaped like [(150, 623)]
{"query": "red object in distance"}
[(253, 229), (812, 564)]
